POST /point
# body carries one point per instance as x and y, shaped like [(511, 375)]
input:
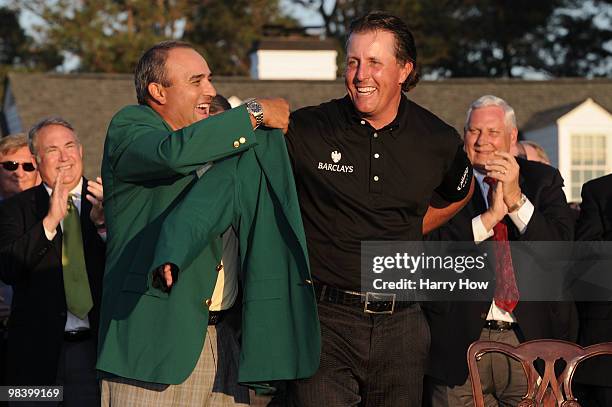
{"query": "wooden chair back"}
[(549, 390)]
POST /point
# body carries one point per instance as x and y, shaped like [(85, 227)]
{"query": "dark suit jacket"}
[(454, 326), (33, 266), (595, 223)]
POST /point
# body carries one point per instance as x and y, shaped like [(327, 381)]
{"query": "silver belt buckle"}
[(373, 302)]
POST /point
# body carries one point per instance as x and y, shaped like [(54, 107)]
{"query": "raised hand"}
[(276, 113), (58, 203), (164, 276), (497, 208), (96, 197), (505, 169)]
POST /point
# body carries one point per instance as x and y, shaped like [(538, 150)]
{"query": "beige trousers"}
[(213, 382), (503, 379)]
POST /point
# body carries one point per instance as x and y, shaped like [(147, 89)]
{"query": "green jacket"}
[(158, 211)]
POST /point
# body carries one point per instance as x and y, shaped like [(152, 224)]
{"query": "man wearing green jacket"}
[(162, 346)]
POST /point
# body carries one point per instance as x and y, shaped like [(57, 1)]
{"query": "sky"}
[(305, 16), (302, 14)]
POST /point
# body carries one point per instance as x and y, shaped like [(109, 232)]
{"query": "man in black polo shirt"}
[(366, 168)]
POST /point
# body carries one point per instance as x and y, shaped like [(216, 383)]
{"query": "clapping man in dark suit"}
[(595, 223), (52, 252), (522, 200)]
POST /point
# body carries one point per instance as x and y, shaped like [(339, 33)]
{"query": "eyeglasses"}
[(13, 165)]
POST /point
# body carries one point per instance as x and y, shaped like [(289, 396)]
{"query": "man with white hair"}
[(515, 199)]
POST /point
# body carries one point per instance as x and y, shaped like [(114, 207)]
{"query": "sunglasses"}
[(13, 165)]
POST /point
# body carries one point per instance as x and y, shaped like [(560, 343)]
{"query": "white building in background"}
[(290, 58), (578, 139)]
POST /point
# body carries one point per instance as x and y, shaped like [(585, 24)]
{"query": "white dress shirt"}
[(73, 323), (226, 287)]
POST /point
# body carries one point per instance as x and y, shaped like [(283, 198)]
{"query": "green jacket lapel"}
[(273, 158)]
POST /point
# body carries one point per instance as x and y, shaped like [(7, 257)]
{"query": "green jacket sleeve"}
[(200, 217), (140, 146)]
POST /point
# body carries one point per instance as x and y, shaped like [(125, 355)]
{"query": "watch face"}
[(255, 107)]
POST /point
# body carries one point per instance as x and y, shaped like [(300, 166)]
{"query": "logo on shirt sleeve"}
[(464, 178), (336, 156)]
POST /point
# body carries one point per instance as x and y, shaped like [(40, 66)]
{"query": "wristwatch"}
[(255, 109), (518, 204)]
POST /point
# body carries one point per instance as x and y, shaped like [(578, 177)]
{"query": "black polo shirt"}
[(356, 183)]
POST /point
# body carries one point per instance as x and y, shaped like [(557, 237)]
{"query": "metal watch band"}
[(519, 203), (255, 109)]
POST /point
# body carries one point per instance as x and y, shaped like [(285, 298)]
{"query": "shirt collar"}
[(76, 191), (353, 118), (479, 176)]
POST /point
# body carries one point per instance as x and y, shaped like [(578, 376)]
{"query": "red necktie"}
[(506, 291)]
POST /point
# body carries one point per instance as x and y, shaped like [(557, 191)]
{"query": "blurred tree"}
[(429, 20), (502, 38), (106, 35), (110, 35), (579, 41), (12, 36), (224, 31), (18, 50), (496, 37)]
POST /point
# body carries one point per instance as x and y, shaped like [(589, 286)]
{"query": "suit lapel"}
[(477, 204), (41, 204), (273, 158), (86, 225)]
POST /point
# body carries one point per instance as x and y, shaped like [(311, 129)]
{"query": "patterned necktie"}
[(506, 292), (76, 283)]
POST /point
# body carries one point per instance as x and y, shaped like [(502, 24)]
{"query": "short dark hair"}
[(219, 104), (405, 49), (48, 121), (151, 67)]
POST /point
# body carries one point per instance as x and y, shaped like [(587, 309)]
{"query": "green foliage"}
[(224, 31), (496, 36), (110, 35), (484, 38), (12, 37), (18, 50), (459, 38), (106, 35), (580, 43), (429, 20)]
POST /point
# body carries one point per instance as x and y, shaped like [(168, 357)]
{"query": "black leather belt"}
[(77, 336), (214, 317), (371, 303), (500, 325)]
